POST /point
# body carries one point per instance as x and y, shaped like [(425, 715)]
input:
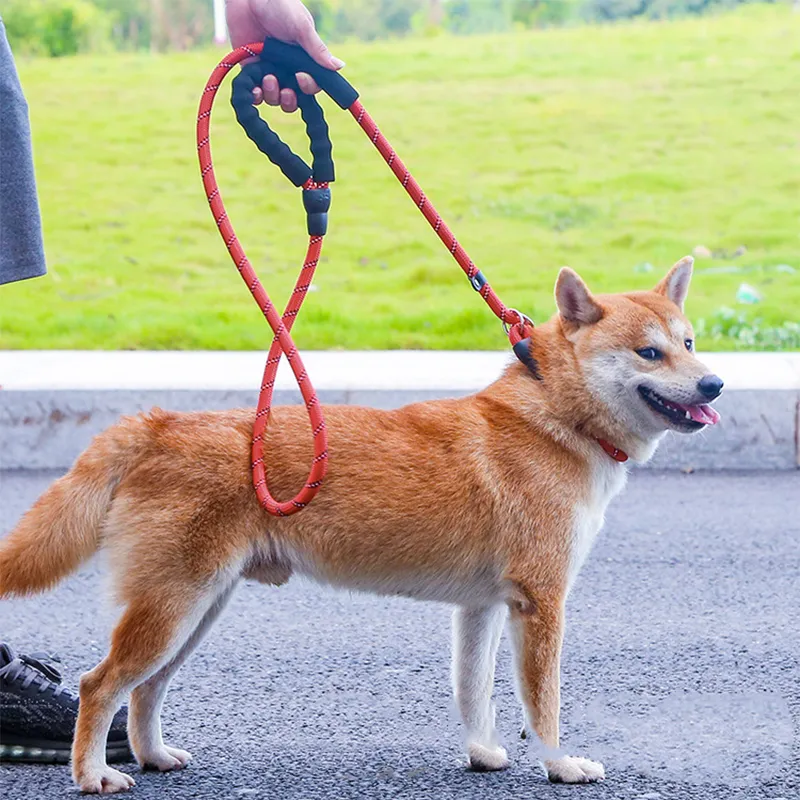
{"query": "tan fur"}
[(62, 529), (472, 501)]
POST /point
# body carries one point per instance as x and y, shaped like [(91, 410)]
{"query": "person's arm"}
[(21, 249), (287, 20)]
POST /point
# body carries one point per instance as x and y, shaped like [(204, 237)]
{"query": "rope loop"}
[(282, 343)]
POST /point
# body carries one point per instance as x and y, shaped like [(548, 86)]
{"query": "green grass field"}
[(605, 148)]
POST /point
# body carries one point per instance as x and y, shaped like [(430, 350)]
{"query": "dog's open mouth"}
[(688, 417)]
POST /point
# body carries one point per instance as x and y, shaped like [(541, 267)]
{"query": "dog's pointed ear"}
[(675, 284), (574, 300)]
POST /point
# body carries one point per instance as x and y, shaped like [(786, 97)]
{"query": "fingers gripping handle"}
[(295, 59), (283, 61)]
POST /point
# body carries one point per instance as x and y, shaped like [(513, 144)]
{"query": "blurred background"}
[(611, 135), (65, 27)]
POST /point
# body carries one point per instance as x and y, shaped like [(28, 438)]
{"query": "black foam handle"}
[(283, 61), (295, 59), (265, 139), (318, 137)]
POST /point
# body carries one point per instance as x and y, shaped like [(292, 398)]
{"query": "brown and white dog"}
[(490, 502)]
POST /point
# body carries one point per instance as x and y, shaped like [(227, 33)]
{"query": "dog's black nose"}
[(710, 386)]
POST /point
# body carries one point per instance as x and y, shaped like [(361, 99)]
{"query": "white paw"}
[(165, 759), (486, 759), (104, 781), (570, 769)]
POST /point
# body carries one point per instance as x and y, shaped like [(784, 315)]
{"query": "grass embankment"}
[(605, 148)]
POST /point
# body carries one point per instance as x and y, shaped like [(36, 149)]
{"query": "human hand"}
[(291, 22)]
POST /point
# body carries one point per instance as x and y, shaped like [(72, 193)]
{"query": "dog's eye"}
[(689, 344), (650, 353)]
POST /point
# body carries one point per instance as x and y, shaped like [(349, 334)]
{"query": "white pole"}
[(220, 28)]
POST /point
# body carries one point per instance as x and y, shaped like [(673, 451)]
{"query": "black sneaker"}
[(37, 713)]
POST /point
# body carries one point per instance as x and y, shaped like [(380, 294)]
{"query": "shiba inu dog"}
[(489, 502)]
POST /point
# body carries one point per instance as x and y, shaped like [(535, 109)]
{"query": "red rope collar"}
[(614, 452), (518, 327)]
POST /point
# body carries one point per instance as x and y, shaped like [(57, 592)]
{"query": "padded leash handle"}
[(295, 59), (283, 61)]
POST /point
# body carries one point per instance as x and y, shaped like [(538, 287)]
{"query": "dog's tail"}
[(63, 528)]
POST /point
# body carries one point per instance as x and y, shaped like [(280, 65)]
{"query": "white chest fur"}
[(608, 479)]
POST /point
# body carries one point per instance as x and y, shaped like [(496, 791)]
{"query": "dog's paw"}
[(104, 781), (165, 759), (486, 759), (570, 769)]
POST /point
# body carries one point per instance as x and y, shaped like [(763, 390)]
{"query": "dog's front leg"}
[(538, 629), (476, 636)]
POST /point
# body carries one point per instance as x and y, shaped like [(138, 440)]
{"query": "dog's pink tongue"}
[(704, 414)]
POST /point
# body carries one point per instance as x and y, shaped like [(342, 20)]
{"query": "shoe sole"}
[(55, 754)]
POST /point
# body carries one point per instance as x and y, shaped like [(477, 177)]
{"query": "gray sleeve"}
[(21, 248)]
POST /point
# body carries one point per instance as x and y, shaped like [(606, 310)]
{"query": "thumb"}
[(309, 40)]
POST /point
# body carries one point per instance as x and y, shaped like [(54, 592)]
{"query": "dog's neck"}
[(555, 399)]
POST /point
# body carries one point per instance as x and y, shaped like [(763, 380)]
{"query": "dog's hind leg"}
[(153, 629), (144, 721), (476, 636)]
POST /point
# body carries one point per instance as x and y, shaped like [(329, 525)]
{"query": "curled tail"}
[(63, 528)]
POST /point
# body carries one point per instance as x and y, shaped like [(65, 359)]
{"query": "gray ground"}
[(680, 668)]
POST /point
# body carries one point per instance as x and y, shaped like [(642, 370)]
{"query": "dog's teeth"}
[(687, 415)]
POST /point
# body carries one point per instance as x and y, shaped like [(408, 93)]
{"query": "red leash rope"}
[(517, 325)]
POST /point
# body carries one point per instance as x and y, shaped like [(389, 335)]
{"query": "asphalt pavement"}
[(681, 668)]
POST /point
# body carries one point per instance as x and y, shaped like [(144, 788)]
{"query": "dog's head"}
[(635, 353)]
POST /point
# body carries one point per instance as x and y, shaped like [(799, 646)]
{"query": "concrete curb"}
[(52, 403)]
